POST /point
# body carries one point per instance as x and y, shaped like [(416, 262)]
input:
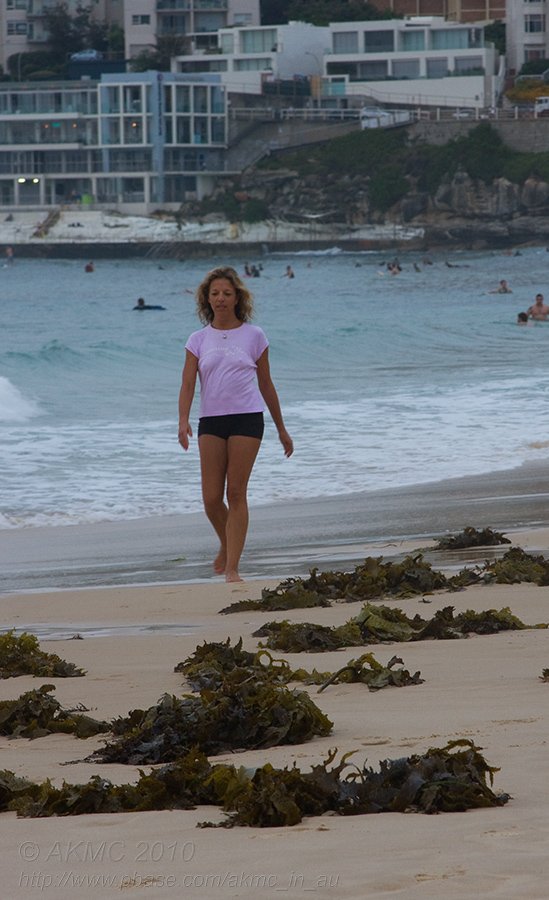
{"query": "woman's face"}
[(222, 297)]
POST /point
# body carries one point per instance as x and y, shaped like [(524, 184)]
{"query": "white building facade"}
[(199, 20), (247, 57), (130, 141), (417, 61), (526, 33)]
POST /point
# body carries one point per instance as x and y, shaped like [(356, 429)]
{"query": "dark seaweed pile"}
[(23, 656), (372, 579), (471, 537), (207, 666), (413, 576), (241, 713), (378, 624), (36, 714), (450, 779)]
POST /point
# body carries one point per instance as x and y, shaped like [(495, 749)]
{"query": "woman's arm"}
[(268, 392), (186, 395)]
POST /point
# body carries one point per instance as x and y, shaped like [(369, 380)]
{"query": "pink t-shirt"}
[(227, 363)]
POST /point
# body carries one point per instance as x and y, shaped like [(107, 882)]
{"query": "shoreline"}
[(284, 539)]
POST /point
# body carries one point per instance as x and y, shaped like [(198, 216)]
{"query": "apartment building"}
[(423, 60), (130, 141), (527, 36), (199, 20), (414, 61), (22, 27), (246, 58)]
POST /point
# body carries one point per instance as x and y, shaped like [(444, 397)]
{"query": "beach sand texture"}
[(484, 688)]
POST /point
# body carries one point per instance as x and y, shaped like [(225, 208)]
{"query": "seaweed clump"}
[(381, 624), (23, 656), (449, 779), (210, 662), (242, 712), (371, 580), (516, 566), (36, 713), (471, 537)]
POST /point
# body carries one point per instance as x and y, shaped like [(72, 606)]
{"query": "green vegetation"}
[(321, 12), (453, 778), (389, 165), (23, 656), (67, 34)]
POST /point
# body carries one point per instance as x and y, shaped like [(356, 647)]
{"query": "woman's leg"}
[(241, 454), (213, 464)]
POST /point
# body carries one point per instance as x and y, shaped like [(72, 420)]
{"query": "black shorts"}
[(243, 424)]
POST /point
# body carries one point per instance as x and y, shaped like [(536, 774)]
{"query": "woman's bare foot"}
[(220, 562), (232, 576)]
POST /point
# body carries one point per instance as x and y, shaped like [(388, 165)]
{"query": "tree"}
[(167, 46), (321, 12)]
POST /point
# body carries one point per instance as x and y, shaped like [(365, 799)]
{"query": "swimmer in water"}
[(502, 289), (539, 311)]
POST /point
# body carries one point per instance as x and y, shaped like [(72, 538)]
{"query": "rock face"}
[(462, 209), (345, 198)]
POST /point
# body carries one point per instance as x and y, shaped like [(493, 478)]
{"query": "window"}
[(200, 99), (345, 42), (472, 64), (259, 41), (437, 68), (200, 133), (534, 53), (17, 27), (218, 131), (252, 65), (379, 41), (534, 24), (182, 99), (133, 130), (183, 130), (449, 39), (217, 100), (242, 18), (406, 68), (373, 71), (412, 40), (141, 20)]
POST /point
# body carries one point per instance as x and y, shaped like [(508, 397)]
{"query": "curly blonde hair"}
[(244, 308)]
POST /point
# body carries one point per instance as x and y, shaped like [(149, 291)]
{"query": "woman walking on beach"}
[(227, 355)]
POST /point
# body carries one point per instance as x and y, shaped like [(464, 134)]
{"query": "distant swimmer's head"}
[(522, 318), (141, 302), (244, 308), (539, 299)]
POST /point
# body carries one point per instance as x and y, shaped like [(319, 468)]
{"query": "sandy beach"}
[(483, 688)]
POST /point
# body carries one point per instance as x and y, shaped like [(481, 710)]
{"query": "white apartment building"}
[(248, 57), (423, 60), (132, 141), (144, 20), (418, 61), (22, 27), (527, 36)]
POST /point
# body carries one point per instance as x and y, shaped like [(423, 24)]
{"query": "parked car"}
[(87, 55)]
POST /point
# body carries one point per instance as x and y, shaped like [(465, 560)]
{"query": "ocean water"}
[(384, 380)]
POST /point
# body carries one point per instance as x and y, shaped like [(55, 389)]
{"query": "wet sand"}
[(284, 538)]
